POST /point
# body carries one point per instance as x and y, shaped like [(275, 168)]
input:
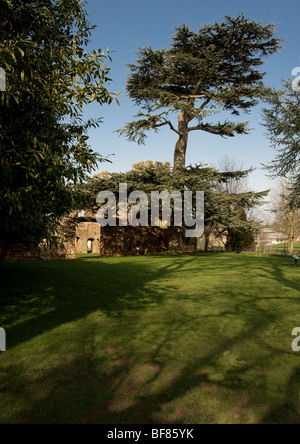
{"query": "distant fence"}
[(273, 250), (263, 249)]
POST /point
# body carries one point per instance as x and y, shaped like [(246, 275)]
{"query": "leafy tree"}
[(43, 140), (240, 233), (287, 214), (223, 209), (236, 183), (227, 213), (282, 120), (214, 69), (237, 230)]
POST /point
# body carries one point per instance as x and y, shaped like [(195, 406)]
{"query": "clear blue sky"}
[(123, 25)]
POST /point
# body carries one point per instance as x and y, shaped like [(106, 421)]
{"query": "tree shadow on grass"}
[(287, 412), (281, 268), (36, 298), (130, 385), (146, 389), (80, 392)]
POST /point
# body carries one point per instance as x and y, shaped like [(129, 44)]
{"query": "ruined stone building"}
[(87, 237), (124, 241)]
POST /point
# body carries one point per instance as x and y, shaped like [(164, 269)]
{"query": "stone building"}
[(125, 241), (82, 234), (87, 237)]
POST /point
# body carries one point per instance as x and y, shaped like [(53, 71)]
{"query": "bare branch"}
[(206, 102), (167, 122), (174, 129), (194, 96)]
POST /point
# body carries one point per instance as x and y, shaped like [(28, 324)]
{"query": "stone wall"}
[(113, 241), (131, 241), (67, 252), (21, 253), (18, 253), (87, 238)]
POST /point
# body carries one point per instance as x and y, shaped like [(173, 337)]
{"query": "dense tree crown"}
[(225, 211), (282, 120), (213, 69), (43, 139)]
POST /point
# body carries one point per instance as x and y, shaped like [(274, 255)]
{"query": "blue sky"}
[(123, 25)]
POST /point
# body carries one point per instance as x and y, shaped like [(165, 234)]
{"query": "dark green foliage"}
[(43, 142), (282, 120), (222, 209), (240, 236), (204, 72)]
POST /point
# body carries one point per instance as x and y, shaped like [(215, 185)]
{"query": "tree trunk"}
[(207, 233), (181, 145), (206, 245), (290, 245)]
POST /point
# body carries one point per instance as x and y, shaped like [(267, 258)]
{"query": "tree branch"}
[(194, 96), (167, 122), (227, 129), (174, 129), (206, 102)]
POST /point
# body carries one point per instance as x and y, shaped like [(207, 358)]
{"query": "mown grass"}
[(174, 339)]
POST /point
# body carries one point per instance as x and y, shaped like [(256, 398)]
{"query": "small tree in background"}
[(214, 69), (287, 214), (238, 237), (234, 183)]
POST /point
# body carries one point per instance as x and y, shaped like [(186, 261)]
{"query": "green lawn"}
[(175, 339)]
